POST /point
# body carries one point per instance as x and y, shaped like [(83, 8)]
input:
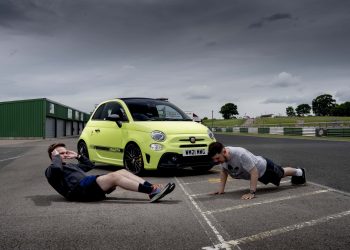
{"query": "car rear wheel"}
[(133, 158), (82, 149)]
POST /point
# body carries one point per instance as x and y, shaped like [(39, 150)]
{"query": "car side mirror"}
[(115, 118)]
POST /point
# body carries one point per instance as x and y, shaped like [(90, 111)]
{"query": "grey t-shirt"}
[(241, 161)]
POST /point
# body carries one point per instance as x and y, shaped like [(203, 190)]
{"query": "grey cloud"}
[(272, 18), (17, 10), (286, 100), (256, 25), (343, 96), (198, 97), (282, 80), (107, 48), (283, 84), (9, 11), (278, 16), (211, 44)]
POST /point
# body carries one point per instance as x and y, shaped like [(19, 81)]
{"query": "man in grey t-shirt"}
[(240, 163)]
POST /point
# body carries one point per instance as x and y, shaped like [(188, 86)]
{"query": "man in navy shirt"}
[(71, 181)]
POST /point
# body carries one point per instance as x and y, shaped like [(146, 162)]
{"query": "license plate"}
[(194, 152)]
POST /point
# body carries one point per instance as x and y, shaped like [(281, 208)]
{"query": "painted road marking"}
[(265, 202), (210, 180), (205, 217), (329, 188), (235, 243), (274, 232), (232, 190), (12, 158)]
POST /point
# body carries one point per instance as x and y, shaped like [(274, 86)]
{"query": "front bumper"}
[(174, 160)]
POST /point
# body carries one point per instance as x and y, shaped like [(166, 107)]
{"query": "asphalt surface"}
[(311, 216)]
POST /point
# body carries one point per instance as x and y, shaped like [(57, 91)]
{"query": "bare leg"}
[(288, 171), (111, 180), (130, 176)]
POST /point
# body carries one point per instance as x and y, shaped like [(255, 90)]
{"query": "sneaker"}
[(171, 188), (161, 186), (158, 192), (298, 180)]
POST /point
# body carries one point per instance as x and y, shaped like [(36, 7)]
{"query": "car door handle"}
[(97, 130)]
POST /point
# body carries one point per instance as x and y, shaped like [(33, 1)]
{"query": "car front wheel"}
[(82, 149), (133, 158)]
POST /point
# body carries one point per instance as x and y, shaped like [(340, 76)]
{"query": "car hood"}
[(172, 127)]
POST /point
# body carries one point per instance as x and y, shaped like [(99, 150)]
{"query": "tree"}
[(323, 105), (303, 109), (290, 111), (229, 110), (341, 109)]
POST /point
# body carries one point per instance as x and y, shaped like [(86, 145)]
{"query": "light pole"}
[(212, 119)]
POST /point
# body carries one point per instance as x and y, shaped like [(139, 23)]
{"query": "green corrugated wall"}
[(22, 118), (27, 118), (61, 112)]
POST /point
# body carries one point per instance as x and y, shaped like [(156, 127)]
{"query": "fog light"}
[(156, 147)]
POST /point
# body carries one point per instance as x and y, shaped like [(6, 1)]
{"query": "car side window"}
[(114, 108), (98, 113)]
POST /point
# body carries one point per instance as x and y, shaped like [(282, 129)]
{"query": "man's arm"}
[(56, 165), (223, 179), (254, 175), (84, 163)]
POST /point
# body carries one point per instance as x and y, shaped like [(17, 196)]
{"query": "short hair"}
[(215, 148), (52, 147)]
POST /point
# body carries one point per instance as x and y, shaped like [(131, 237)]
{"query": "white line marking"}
[(12, 158), (226, 191), (195, 182), (232, 190), (265, 202), (329, 188), (281, 230), (215, 231)]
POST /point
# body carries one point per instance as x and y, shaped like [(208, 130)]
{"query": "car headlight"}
[(158, 135), (156, 147), (211, 134)]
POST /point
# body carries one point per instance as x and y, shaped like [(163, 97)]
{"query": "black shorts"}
[(88, 190), (274, 173)]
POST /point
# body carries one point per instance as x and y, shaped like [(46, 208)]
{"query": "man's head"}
[(59, 147), (217, 152)]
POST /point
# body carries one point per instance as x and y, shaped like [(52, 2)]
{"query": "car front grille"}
[(193, 145), (173, 160)]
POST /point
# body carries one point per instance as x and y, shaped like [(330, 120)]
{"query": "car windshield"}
[(154, 110)]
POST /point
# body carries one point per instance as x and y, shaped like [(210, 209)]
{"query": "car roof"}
[(143, 98)]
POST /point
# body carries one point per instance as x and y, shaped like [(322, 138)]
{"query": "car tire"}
[(82, 149), (133, 160)]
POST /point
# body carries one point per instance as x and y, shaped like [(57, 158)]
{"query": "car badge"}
[(192, 139)]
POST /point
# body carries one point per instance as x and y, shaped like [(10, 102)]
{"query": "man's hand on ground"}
[(248, 196), (218, 192)]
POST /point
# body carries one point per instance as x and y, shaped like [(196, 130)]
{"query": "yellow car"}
[(144, 133)]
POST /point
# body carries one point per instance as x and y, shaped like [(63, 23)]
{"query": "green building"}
[(39, 118)]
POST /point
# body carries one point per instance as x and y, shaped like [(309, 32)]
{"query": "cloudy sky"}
[(261, 55)]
